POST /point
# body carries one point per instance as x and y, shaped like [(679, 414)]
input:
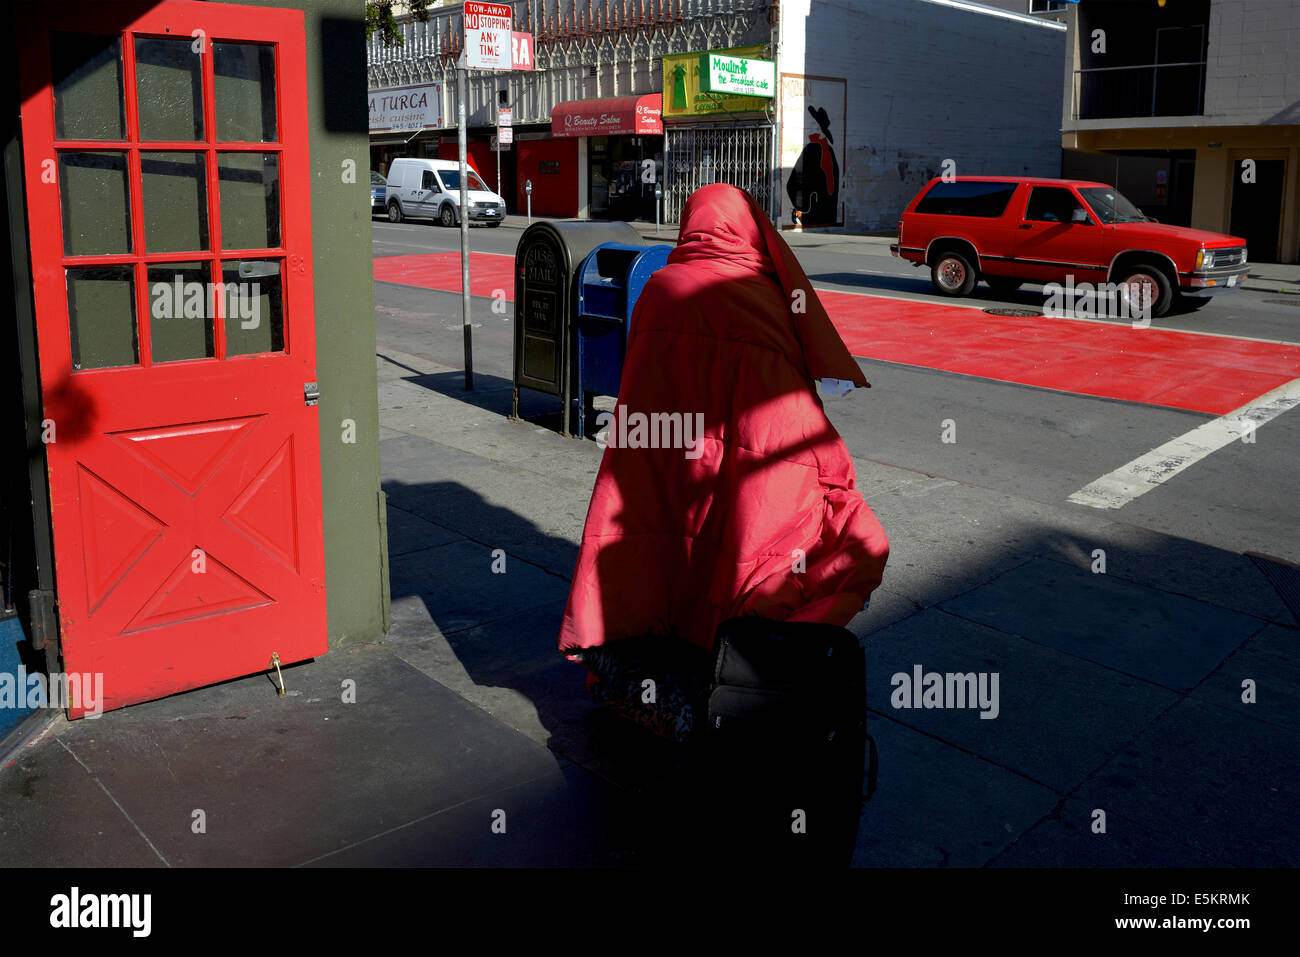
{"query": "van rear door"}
[(396, 182)]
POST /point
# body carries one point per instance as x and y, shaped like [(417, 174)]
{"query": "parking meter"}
[(528, 191), (659, 195)]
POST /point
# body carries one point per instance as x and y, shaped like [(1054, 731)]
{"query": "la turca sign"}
[(406, 108)]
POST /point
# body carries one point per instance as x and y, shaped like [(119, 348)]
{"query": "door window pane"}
[(101, 317), (254, 306), (180, 311), (87, 75), (1051, 204), (175, 190), (169, 88), (93, 193), (250, 200), (245, 92)]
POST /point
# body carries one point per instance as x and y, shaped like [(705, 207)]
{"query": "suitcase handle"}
[(872, 763)]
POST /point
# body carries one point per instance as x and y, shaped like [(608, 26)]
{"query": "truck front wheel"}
[(1147, 284)]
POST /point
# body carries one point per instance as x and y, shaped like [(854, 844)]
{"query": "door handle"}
[(1026, 225)]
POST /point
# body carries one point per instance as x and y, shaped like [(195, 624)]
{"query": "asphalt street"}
[(1038, 445)]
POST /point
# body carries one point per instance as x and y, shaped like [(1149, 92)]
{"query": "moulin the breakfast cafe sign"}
[(737, 76)]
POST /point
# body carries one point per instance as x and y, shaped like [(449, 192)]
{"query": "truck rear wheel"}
[(394, 212), (953, 274)]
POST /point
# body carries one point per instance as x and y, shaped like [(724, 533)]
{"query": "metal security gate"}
[(696, 156)]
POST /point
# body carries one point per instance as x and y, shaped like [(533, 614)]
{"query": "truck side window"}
[(426, 180), (1051, 204), (966, 198)]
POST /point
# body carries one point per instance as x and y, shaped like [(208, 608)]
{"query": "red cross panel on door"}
[(166, 170)]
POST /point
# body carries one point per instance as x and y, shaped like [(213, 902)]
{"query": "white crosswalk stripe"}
[(1116, 489)]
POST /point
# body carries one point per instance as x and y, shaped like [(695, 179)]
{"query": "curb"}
[(32, 727), (642, 228), (1285, 291)]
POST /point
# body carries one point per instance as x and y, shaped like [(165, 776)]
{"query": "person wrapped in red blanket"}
[(724, 489)]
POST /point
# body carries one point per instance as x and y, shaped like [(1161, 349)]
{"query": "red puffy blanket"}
[(724, 489)]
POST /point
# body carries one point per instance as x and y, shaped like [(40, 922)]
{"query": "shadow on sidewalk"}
[(1118, 691), (494, 394), (492, 636)]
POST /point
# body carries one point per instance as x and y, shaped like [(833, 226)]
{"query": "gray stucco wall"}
[(929, 82), (1251, 65)]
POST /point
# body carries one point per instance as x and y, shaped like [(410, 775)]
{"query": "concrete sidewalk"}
[(1120, 692)]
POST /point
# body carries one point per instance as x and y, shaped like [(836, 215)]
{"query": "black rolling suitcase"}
[(786, 741)]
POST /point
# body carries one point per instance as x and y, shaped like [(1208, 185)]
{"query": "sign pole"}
[(462, 84), (488, 36)]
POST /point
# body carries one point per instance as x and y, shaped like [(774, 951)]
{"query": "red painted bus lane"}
[(488, 272), (1182, 370)]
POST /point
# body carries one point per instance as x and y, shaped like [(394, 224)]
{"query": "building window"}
[(1151, 63)]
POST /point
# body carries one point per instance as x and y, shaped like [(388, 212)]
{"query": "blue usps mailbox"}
[(609, 282)]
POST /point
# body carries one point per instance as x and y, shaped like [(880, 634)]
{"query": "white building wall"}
[(928, 80)]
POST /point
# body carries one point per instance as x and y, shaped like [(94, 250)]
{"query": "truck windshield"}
[(1112, 206), (451, 180)]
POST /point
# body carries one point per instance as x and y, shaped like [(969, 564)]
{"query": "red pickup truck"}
[(1009, 230)]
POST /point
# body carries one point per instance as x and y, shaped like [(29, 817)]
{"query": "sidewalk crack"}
[(95, 777)]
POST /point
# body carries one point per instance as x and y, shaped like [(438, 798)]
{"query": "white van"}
[(430, 189)]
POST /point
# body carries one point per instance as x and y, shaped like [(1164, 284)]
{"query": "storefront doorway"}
[(625, 152), (622, 180), (1257, 204)]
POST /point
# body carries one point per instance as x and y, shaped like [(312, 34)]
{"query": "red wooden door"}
[(166, 171)]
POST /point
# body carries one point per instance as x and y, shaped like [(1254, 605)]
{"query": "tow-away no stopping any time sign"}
[(487, 36)]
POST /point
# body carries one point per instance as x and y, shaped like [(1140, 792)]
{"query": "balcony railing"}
[(1153, 89)]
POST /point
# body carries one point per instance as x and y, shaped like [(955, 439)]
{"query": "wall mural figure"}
[(813, 111), (814, 183)]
